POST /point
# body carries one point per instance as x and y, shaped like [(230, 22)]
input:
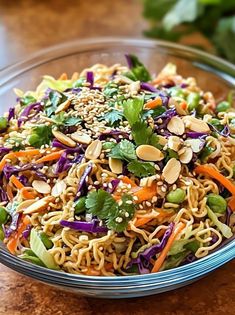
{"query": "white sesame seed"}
[(148, 204)]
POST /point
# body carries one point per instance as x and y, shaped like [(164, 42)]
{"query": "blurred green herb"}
[(173, 19)]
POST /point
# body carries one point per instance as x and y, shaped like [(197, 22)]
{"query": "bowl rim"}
[(57, 51)]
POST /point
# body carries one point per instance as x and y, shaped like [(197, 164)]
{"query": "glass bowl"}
[(212, 73)]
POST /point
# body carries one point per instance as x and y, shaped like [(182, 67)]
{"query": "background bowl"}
[(212, 74)]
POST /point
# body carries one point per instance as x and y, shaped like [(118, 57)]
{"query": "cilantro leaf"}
[(110, 89), (113, 117), (157, 9), (118, 220), (55, 98), (182, 11), (224, 37), (138, 72), (141, 169), (143, 134), (41, 134), (100, 203), (27, 100), (132, 109), (61, 119), (124, 150)]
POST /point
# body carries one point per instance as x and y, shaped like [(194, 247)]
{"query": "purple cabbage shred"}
[(25, 113), (114, 134), (82, 186), (91, 227), (11, 113), (143, 259), (114, 183), (15, 218), (90, 77)]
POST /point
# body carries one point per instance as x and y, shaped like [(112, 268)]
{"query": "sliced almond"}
[(171, 171), (81, 137), (195, 124), (63, 106), (186, 156), (149, 153), (162, 140), (195, 144), (115, 165), (41, 186), (93, 150), (39, 205), (176, 126), (174, 143), (58, 189), (24, 205), (64, 139)]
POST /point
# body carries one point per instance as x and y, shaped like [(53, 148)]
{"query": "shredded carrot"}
[(16, 182), (23, 153), (25, 193), (231, 203), (184, 105), (13, 241), (158, 263), (207, 170), (128, 181), (9, 192), (144, 193), (145, 219), (50, 157), (3, 161), (154, 103), (12, 155), (74, 76), (63, 76)]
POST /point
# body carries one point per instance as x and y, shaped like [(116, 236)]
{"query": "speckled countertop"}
[(25, 27)]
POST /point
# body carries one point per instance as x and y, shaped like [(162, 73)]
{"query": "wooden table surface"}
[(25, 27)]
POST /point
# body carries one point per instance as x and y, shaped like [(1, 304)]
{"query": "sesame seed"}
[(163, 189), (129, 202), (148, 204), (154, 199), (159, 183)]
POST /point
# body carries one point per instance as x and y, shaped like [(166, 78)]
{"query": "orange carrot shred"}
[(154, 103), (127, 180), (63, 76), (9, 192), (160, 260), (16, 182), (13, 241), (144, 193), (207, 170), (231, 203), (50, 157)]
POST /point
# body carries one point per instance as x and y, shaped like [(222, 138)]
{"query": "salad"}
[(116, 171)]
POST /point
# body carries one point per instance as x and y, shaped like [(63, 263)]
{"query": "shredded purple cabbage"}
[(24, 180), (114, 134), (196, 135), (165, 117), (63, 164), (114, 183), (90, 77), (26, 232), (15, 218), (11, 113), (148, 87), (3, 195), (9, 170), (129, 61), (74, 90), (69, 150), (82, 186), (228, 215), (224, 133), (25, 113), (92, 227), (183, 85), (4, 150), (143, 259)]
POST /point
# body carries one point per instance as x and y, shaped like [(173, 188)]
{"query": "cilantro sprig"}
[(173, 19), (124, 150), (101, 204), (137, 69), (141, 169), (62, 120), (113, 117), (141, 132)]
